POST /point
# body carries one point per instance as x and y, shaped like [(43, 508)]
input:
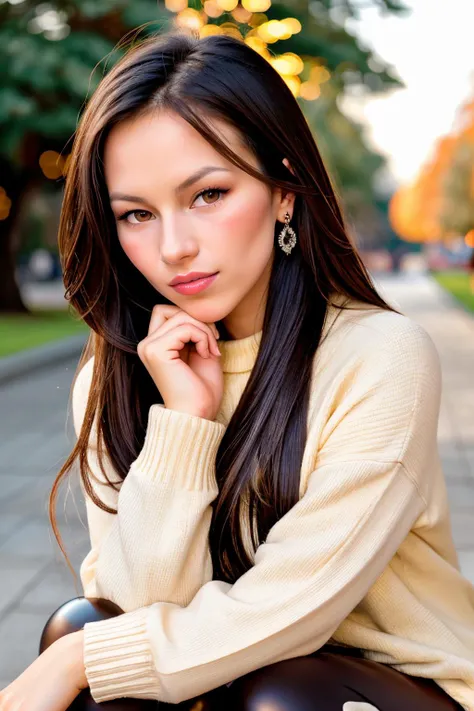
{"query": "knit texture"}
[(364, 559)]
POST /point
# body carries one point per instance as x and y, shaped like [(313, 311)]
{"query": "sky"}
[(432, 51)]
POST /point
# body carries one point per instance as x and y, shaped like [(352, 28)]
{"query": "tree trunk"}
[(16, 184), (10, 297)]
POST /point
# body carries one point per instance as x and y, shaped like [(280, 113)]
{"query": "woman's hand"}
[(52, 682), (182, 357)]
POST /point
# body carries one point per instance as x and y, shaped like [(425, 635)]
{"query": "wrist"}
[(193, 412), (70, 651)]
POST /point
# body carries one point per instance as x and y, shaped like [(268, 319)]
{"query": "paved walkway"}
[(35, 439)]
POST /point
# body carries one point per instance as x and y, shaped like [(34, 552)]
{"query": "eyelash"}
[(202, 192)]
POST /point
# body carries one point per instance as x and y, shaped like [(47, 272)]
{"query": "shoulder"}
[(80, 393), (376, 392), (380, 360), (399, 347), (383, 339)]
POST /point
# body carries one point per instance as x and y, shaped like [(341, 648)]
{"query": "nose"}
[(177, 242)]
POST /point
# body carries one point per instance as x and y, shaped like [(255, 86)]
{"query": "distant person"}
[(270, 513)]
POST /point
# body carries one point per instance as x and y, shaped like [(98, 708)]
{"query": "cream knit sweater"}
[(364, 559)]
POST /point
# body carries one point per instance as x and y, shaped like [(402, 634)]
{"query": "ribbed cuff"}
[(118, 659), (180, 448)]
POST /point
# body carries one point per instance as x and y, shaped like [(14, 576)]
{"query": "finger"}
[(160, 314), (155, 344), (183, 317), (175, 340), (214, 330)]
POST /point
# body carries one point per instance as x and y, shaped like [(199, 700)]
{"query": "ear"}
[(287, 163), (288, 200)]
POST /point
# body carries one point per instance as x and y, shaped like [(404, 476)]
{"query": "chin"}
[(210, 312), (206, 315)]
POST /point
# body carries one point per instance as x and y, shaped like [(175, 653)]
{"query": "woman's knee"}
[(335, 682), (72, 615), (300, 684)]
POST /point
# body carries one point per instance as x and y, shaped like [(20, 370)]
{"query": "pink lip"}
[(194, 287)]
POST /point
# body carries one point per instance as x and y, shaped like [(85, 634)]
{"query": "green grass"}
[(21, 331), (458, 283)]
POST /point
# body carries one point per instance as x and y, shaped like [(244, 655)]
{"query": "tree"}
[(457, 214), (52, 56), (439, 204)]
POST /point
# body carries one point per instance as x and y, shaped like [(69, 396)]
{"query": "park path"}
[(36, 436)]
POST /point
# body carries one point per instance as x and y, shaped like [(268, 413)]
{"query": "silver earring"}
[(287, 243)]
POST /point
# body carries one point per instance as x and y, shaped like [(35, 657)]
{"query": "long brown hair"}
[(218, 77)]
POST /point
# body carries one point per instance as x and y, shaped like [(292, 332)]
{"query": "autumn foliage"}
[(439, 204)]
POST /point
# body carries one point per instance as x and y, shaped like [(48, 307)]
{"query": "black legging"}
[(328, 680), (331, 679)]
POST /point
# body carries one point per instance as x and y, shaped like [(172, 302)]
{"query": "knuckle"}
[(182, 318), (143, 348), (201, 325)]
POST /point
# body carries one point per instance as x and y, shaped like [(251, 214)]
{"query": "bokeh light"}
[(310, 91), (227, 5), (256, 5), (469, 238), (231, 29), (5, 204), (294, 84), (273, 30), (212, 9), (292, 25), (176, 5), (257, 19), (52, 164), (191, 19), (240, 14), (319, 74), (208, 30), (258, 45), (288, 64)]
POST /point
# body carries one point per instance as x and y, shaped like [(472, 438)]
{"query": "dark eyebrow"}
[(198, 175), (201, 173), (127, 198)]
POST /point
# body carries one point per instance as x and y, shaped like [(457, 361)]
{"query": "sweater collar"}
[(239, 355)]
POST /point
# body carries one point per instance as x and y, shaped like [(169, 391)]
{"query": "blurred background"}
[(388, 90)]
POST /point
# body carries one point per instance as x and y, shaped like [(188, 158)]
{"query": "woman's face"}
[(180, 207)]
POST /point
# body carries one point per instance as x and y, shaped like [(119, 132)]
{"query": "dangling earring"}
[(285, 243)]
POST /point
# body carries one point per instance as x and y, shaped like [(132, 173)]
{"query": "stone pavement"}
[(34, 441), (36, 436)]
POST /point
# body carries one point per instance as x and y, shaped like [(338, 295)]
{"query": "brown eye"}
[(138, 216), (142, 215), (211, 196), (211, 193)]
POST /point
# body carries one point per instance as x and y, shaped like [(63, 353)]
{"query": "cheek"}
[(137, 251), (131, 249), (247, 221)]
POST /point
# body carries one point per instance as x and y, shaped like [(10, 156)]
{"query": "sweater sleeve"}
[(156, 546), (364, 495)]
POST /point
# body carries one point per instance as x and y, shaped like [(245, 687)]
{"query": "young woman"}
[(258, 448)]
